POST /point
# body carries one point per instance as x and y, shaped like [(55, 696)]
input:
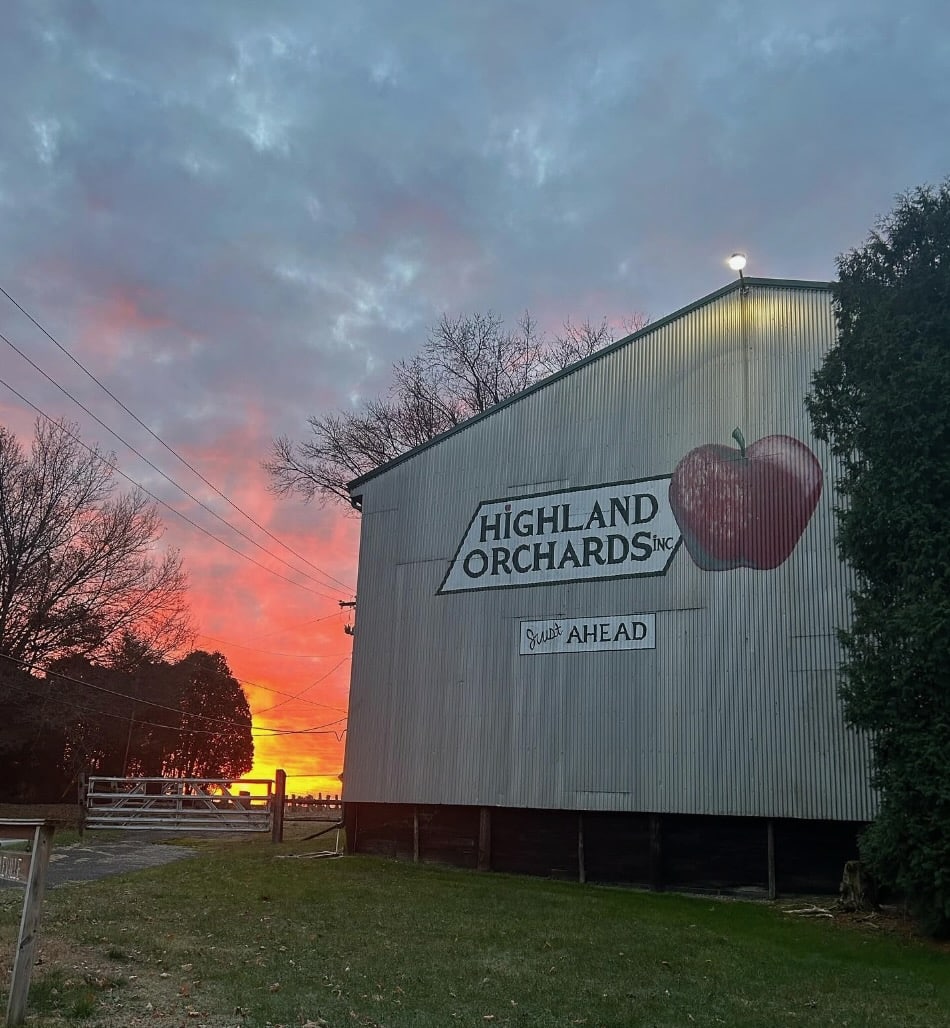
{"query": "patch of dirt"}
[(113, 989), (890, 920)]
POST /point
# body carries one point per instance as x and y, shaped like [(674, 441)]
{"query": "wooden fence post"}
[(352, 827), (484, 839), (656, 852), (277, 810), (82, 802), (581, 861), (29, 925), (770, 840)]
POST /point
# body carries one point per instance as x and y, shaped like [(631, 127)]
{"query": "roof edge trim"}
[(736, 286)]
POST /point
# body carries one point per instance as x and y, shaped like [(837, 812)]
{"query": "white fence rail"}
[(182, 804)]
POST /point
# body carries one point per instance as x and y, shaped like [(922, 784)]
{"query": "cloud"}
[(239, 216)]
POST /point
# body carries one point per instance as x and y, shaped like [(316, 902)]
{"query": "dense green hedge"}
[(882, 400)]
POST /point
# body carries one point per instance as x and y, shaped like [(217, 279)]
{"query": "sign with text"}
[(620, 530), (29, 870), (583, 635)]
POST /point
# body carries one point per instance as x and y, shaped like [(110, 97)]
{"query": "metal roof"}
[(738, 284)]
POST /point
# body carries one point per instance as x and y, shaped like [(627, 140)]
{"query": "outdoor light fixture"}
[(737, 263)]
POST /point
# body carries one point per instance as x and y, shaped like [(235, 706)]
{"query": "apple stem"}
[(740, 439)]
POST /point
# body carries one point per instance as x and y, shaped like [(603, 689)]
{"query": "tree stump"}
[(858, 890)]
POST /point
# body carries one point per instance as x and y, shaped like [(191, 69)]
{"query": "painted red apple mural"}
[(745, 507)]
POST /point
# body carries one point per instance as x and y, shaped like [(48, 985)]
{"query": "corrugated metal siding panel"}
[(734, 712)]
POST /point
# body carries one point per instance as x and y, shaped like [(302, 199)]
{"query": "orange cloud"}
[(286, 644)]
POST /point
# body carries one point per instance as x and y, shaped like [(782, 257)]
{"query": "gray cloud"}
[(240, 215)]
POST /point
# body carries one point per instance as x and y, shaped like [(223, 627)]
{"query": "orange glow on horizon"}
[(289, 651), (276, 618)]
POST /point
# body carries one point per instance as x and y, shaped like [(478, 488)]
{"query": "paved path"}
[(90, 860)]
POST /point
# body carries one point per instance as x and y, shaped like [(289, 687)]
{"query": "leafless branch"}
[(467, 365), (78, 562)]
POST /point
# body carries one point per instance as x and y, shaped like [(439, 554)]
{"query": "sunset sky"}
[(237, 214)]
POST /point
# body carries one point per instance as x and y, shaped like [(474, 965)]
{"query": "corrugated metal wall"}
[(735, 710)]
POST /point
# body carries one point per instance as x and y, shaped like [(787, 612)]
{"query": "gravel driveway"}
[(89, 860)]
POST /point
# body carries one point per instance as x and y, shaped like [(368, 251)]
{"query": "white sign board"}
[(582, 635), (620, 530)]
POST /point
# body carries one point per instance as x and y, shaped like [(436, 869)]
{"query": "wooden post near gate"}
[(277, 805), (81, 784), (28, 869), (352, 826)]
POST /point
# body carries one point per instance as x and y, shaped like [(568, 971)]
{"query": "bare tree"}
[(580, 341), (468, 364), (78, 560)]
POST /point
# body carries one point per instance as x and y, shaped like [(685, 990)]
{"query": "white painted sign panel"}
[(619, 530), (583, 635)]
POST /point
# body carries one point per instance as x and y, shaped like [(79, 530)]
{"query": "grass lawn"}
[(245, 935)]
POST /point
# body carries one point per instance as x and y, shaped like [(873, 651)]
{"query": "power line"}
[(319, 730), (159, 471), (299, 699), (301, 624), (193, 524), (114, 692), (173, 452), (122, 717), (272, 653), (270, 732), (157, 499), (322, 678)]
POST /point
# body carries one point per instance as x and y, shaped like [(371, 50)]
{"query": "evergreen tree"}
[(215, 738), (882, 401)]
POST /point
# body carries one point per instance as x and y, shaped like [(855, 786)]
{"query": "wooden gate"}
[(183, 804)]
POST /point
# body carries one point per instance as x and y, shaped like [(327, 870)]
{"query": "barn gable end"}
[(549, 635)]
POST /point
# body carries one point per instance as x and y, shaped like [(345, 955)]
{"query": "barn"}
[(596, 625)]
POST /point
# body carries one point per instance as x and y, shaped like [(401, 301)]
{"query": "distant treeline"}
[(151, 718)]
